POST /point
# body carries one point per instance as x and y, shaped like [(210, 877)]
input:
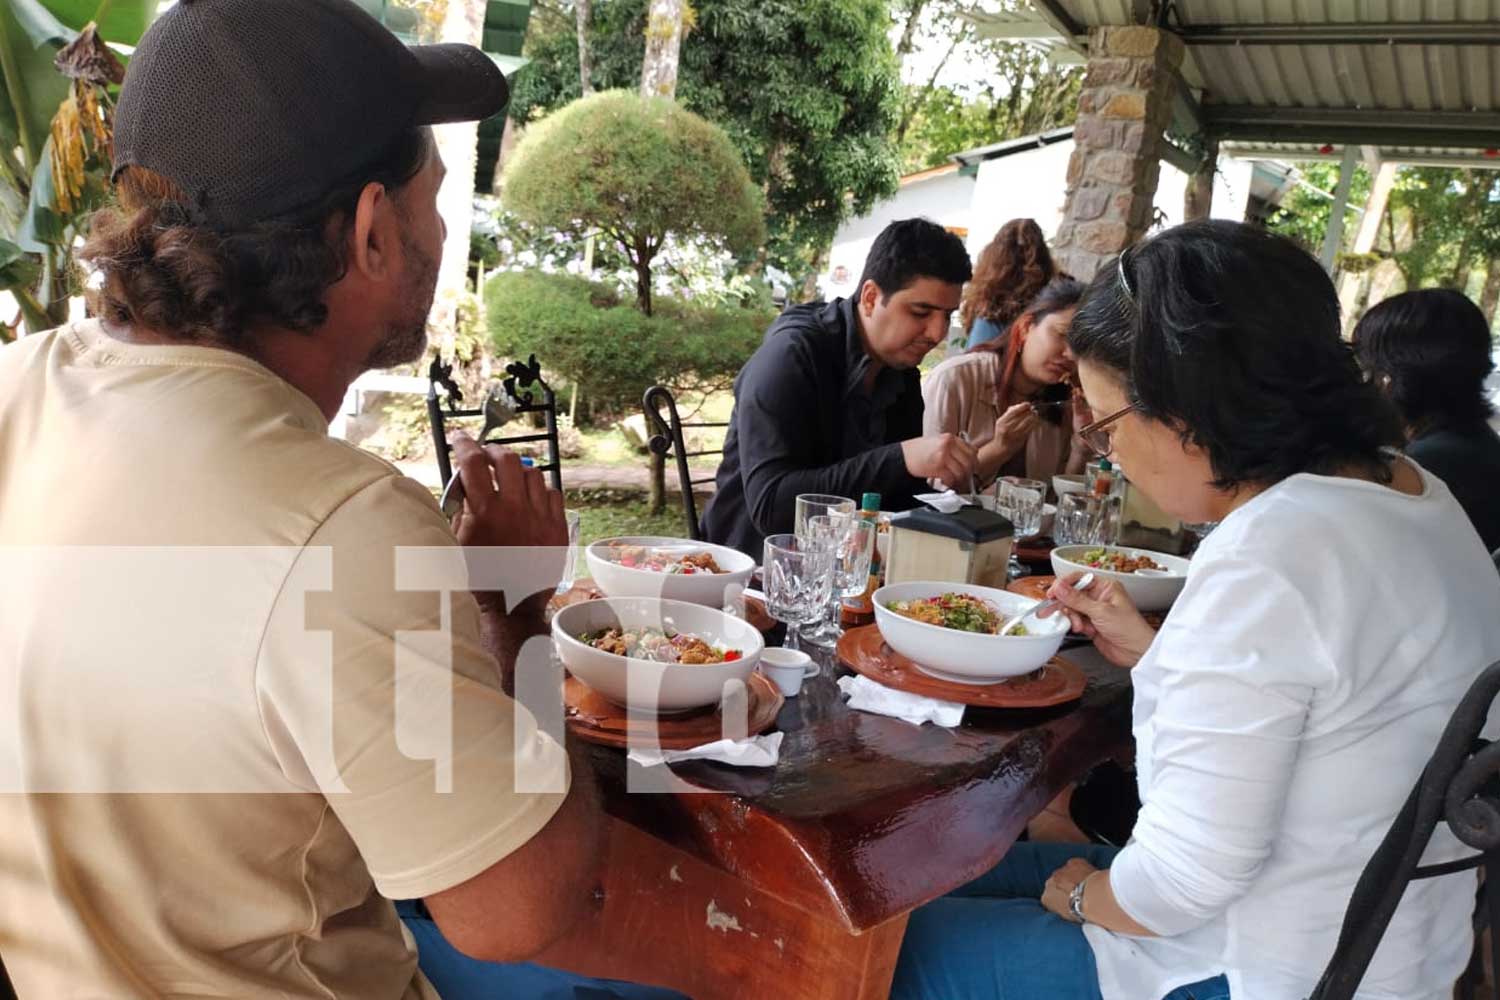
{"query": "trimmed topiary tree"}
[(637, 170)]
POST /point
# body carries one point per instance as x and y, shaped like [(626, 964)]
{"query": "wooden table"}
[(796, 881)]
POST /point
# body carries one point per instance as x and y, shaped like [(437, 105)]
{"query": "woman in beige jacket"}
[(1012, 396)]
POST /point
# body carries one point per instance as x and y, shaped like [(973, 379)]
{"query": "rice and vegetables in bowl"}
[(954, 610), (659, 645), (678, 569), (662, 559)]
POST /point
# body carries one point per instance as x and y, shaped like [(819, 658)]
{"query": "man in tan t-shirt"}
[(244, 707)]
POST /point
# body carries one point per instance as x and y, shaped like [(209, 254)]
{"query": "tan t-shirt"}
[(228, 738)]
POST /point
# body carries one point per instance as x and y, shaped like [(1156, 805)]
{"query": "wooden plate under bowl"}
[(594, 718), (1059, 681)]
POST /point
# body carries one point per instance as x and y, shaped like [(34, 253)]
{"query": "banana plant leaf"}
[(17, 269)]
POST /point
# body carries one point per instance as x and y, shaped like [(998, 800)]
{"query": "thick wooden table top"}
[(866, 817)]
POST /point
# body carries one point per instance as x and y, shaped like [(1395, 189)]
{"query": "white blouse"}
[(1281, 718)]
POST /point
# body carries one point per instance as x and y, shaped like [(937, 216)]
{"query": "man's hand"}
[(507, 504), (946, 457)]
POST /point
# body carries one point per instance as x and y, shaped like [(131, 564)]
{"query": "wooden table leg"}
[(667, 919)]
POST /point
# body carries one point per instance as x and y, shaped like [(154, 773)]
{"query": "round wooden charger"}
[(594, 718), (863, 650), (1035, 550)]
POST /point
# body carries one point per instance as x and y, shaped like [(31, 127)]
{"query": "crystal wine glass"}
[(798, 575)]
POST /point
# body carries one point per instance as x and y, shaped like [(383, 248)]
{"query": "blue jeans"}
[(991, 939), (456, 976)]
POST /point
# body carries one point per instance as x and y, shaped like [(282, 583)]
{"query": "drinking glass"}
[(851, 540), (1086, 519), (811, 505), (798, 576), (1022, 500), (570, 568)]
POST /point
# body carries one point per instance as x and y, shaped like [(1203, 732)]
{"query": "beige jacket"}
[(959, 395)]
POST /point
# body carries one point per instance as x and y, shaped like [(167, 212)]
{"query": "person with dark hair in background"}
[(227, 776), (831, 402), (1012, 269), (1284, 710), (1011, 395), (1430, 352)]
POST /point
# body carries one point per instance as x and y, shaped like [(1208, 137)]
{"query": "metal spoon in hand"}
[(499, 408), (1084, 582)]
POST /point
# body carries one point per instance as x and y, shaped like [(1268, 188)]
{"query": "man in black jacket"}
[(832, 402)]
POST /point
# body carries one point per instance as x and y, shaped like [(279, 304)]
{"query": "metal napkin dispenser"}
[(970, 546)]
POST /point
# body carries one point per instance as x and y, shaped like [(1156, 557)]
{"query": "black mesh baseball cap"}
[(257, 108)]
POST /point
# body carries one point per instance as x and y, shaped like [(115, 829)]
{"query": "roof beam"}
[(1426, 158), (1353, 126), (1053, 13), (1388, 33)]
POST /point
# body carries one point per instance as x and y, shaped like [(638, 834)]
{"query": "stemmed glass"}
[(798, 576), (1021, 500), (851, 540), (809, 506)]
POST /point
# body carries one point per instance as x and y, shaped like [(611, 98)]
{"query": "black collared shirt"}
[(803, 423)]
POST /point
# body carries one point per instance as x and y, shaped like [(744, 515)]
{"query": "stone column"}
[(1125, 104)]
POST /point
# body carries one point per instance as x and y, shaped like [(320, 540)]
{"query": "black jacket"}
[(803, 423), (1467, 459)]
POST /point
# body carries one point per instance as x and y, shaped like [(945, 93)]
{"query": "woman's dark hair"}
[(911, 249), (1059, 294), (1231, 335), (164, 268), (1434, 347), (1012, 269)]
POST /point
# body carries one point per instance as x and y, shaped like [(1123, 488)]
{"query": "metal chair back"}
[(7, 991), (667, 442), (1461, 786), (519, 382)]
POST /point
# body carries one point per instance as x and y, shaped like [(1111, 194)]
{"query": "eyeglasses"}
[(1097, 435)]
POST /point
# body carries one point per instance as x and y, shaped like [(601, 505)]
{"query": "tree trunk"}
[(1198, 196), (641, 258), (1491, 295), (581, 10), (664, 26), (463, 22), (912, 105), (909, 32)]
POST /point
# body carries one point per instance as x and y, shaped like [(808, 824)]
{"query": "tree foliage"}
[(56, 105), (579, 327), (1306, 208), (1020, 93), (637, 170), (806, 89)]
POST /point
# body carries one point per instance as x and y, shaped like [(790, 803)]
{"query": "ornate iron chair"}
[(520, 378), (1459, 785), (666, 442), (7, 991)]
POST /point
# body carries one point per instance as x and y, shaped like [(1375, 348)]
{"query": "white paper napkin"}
[(869, 696), (756, 751), (947, 502)]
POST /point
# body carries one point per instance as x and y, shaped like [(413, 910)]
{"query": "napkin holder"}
[(970, 546)]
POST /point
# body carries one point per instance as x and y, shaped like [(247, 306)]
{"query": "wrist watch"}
[(1075, 898)]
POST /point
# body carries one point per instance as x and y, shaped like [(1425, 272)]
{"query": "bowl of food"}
[(651, 655), (1152, 579), (675, 569), (949, 630)]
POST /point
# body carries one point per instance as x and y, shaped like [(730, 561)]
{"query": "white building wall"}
[(945, 199), (1029, 184)]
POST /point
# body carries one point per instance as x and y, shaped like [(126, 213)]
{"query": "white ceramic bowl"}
[(967, 657), (696, 588), (1151, 591), (644, 685)]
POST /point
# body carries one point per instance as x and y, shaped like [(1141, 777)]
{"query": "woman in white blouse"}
[(1289, 702)]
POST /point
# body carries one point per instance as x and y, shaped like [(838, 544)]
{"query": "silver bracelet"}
[(1075, 898)]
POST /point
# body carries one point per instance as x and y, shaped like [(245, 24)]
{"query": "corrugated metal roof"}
[(1344, 68)]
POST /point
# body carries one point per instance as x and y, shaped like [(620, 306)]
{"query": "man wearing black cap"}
[(228, 737)]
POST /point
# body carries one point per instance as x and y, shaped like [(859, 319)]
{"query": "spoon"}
[(499, 408), (1084, 582)]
